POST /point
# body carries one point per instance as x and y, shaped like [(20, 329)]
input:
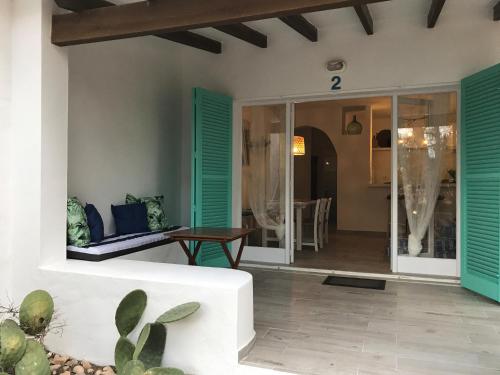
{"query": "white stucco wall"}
[(402, 53), (87, 293), (5, 101), (125, 123)]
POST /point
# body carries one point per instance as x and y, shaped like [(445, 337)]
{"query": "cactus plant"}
[(129, 311), (124, 352), (179, 312), (36, 312), (150, 346), (164, 371), (133, 368), (34, 360), (12, 344)]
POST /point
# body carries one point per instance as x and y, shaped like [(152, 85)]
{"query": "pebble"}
[(78, 370), (64, 365)]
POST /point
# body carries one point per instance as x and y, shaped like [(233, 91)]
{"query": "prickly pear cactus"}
[(164, 371), (36, 312), (129, 311), (124, 350), (179, 312), (133, 368), (12, 344), (34, 360), (151, 345)]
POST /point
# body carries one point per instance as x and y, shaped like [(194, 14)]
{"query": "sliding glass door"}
[(426, 183), (423, 182), (265, 173)]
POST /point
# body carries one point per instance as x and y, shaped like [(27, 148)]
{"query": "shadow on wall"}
[(315, 173)]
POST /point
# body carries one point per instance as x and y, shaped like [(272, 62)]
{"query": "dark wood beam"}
[(302, 26), (496, 12), (434, 12), (81, 5), (365, 17), (183, 37), (191, 39), (160, 16), (245, 33)]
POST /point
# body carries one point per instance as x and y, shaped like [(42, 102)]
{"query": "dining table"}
[(300, 206)]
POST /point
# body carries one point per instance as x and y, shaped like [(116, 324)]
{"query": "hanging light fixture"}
[(354, 127), (299, 146)]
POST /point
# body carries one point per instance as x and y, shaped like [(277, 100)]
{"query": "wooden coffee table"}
[(220, 235)]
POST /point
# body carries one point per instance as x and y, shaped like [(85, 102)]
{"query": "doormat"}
[(355, 282)]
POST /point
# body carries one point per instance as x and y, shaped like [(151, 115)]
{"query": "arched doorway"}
[(315, 172)]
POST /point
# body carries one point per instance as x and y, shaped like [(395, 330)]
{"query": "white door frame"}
[(401, 264)]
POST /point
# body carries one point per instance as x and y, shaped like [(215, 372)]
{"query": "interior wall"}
[(403, 52), (124, 123), (5, 102), (359, 206)]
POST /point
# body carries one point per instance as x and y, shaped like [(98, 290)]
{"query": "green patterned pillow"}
[(78, 229), (156, 216)]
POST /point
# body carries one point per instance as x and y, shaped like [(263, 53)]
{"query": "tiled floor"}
[(348, 251), (305, 327)]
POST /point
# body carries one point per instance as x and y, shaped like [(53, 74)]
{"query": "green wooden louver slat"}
[(480, 141), (212, 168)]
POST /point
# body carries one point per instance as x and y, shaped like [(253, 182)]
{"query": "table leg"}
[(191, 257), (228, 254), (240, 251), (298, 220)]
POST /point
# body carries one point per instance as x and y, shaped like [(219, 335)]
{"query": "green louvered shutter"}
[(212, 169), (480, 139)]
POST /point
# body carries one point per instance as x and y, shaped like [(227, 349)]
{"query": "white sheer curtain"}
[(422, 144), (266, 168)]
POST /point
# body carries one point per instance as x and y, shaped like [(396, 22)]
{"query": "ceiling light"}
[(299, 146)]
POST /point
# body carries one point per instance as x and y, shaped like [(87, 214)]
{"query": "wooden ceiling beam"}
[(187, 38), (365, 17), (161, 16), (80, 6), (496, 12), (191, 39), (245, 33), (434, 12), (302, 26)]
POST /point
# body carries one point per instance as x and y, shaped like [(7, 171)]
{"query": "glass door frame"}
[(279, 254), (422, 265), (399, 264)]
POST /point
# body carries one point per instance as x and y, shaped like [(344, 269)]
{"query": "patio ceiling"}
[(100, 20)]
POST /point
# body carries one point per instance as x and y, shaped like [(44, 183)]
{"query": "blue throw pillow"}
[(130, 218), (95, 223)]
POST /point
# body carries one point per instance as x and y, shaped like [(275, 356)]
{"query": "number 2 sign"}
[(337, 83)]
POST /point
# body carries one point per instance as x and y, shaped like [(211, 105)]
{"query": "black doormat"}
[(355, 282)]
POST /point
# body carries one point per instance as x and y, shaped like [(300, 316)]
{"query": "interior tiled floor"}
[(305, 327), (348, 251)]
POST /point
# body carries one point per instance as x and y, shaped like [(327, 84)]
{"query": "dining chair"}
[(321, 221), (327, 220), (316, 229)]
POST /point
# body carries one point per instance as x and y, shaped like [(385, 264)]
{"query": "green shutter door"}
[(480, 153), (212, 167)]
